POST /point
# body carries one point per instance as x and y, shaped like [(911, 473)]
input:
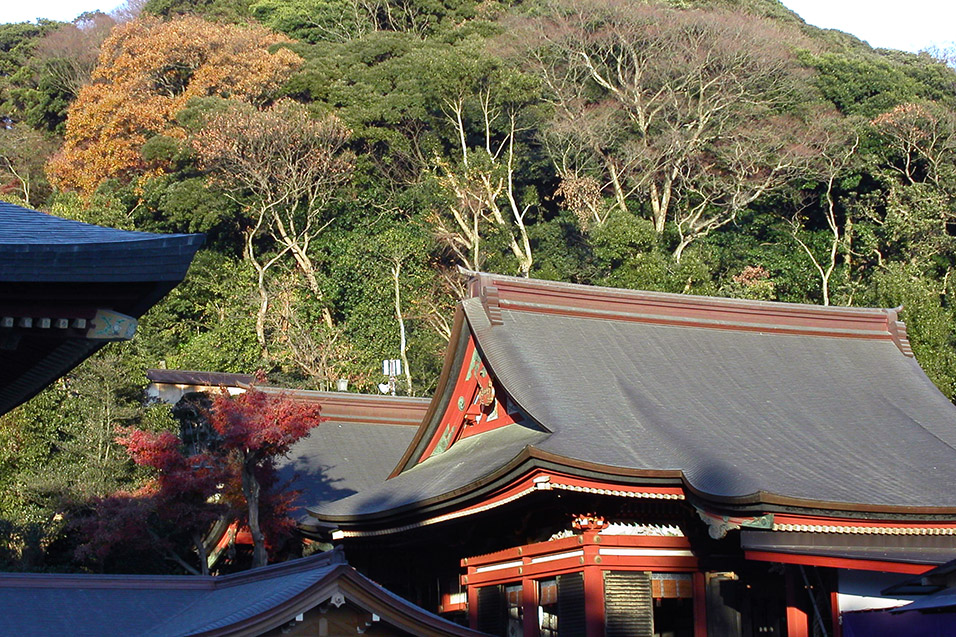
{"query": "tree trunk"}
[(403, 345), (261, 289), (250, 489), (201, 552)]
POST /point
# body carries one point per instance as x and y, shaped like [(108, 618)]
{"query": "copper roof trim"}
[(502, 292)]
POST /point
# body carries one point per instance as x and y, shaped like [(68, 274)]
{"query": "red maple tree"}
[(255, 428), (236, 476), (172, 510)]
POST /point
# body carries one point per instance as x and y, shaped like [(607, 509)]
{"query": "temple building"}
[(595, 462), (68, 288), (602, 462)]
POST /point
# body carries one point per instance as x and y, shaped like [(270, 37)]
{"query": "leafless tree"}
[(286, 168), (836, 149), (319, 351), (69, 54), (667, 105), (23, 152), (482, 182)]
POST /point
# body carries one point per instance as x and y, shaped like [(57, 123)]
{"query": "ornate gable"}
[(476, 404)]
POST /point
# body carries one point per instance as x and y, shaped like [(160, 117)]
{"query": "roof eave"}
[(531, 458), (527, 460)]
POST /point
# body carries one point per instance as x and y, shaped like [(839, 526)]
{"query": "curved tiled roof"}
[(740, 414), (442, 475), (35, 246), (359, 441), (56, 275), (248, 603), (747, 403)]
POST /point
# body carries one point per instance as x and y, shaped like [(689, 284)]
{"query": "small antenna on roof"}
[(392, 368)]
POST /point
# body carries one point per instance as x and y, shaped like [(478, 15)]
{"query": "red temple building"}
[(601, 462)]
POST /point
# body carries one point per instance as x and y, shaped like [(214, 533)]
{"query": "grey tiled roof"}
[(35, 246), (56, 268), (127, 605), (912, 549), (252, 602), (338, 459), (207, 379), (820, 417), (463, 463)]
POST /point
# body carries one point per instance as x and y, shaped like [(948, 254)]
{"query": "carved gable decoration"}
[(477, 404)]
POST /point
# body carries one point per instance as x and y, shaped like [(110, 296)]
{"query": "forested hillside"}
[(346, 157)]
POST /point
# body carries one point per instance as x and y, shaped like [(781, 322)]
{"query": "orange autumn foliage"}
[(147, 71)]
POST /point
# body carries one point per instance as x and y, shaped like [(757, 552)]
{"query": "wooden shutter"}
[(492, 610), (628, 604), (571, 618)]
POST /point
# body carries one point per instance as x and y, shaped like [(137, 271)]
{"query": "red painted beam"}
[(837, 562), (575, 542)]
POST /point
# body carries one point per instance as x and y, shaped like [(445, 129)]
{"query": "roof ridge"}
[(501, 292), (140, 581), (34, 219)]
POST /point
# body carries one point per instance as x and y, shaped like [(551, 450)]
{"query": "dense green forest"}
[(345, 158)]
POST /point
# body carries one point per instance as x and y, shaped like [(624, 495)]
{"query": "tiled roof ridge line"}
[(266, 607), (497, 292), (691, 322), (51, 220), (194, 374), (343, 396), (335, 557), (198, 582)]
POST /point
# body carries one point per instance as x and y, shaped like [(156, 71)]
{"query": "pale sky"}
[(63, 10), (910, 25)]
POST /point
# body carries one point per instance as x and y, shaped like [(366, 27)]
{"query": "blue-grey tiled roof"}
[(35, 246), (465, 462), (338, 459), (741, 414), (128, 605), (245, 603)]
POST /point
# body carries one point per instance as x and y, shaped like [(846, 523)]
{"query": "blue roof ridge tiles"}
[(39, 247)]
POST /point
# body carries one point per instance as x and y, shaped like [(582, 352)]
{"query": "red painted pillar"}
[(797, 624), (700, 605), (835, 612), (529, 603), (594, 601), (473, 606)]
